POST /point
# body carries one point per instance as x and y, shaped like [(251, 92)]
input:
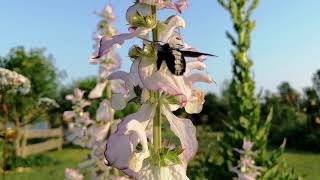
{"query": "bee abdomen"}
[(179, 63)]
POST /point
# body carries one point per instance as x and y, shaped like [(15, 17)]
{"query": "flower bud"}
[(139, 15), (134, 52)]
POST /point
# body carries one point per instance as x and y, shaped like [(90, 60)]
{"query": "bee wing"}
[(195, 54)]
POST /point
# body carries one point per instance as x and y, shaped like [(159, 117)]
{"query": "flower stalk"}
[(157, 127), (160, 93), (154, 30), (157, 118)]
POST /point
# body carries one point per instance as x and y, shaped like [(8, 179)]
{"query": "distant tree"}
[(37, 67), (288, 93), (43, 75), (316, 82), (312, 108)]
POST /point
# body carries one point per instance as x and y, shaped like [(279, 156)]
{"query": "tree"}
[(288, 94), (44, 78), (37, 67)]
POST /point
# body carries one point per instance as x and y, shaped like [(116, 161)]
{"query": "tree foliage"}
[(44, 77)]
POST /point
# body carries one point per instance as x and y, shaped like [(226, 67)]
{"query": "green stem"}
[(4, 151), (154, 30), (157, 127), (157, 118)]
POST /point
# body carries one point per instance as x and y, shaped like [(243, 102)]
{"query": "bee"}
[(175, 57)]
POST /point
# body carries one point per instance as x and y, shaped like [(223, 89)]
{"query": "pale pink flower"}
[(247, 145), (155, 88), (246, 168), (120, 150), (71, 174), (77, 98), (104, 112), (177, 5)]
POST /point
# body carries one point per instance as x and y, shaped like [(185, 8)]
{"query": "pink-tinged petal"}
[(247, 145), (195, 65), (98, 90), (185, 131), (136, 159), (174, 23), (144, 115), (85, 119), (106, 43), (145, 95), (72, 174), (176, 41), (195, 103), (99, 132), (128, 80), (146, 68), (84, 103), (115, 61), (123, 76), (135, 72), (121, 146), (108, 64), (177, 5), (118, 151), (118, 101), (67, 115), (70, 98), (160, 81), (104, 112), (193, 78), (78, 93), (118, 87), (107, 13)]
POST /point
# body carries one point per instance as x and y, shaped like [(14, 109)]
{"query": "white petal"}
[(104, 112), (151, 172), (195, 65), (185, 131), (193, 78), (174, 23), (195, 103), (106, 43), (118, 101), (98, 90)]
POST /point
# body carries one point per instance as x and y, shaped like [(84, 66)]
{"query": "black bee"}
[(175, 58)]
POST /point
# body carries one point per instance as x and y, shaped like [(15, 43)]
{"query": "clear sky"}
[(285, 44)]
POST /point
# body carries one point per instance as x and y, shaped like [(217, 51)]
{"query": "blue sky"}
[(285, 44)]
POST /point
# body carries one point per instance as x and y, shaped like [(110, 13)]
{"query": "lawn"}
[(66, 158), (305, 163)]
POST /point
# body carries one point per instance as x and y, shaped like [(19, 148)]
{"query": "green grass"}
[(304, 163), (66, 158)]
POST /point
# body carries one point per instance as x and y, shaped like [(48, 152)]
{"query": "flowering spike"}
[(137, 148)]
